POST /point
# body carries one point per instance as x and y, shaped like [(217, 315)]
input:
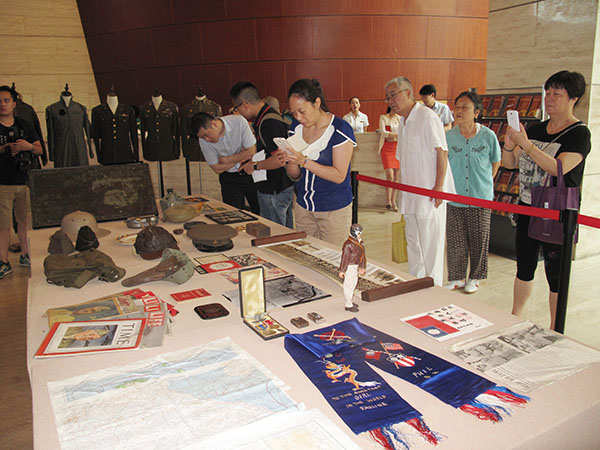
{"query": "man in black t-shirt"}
[(276, 193), (19, 144)]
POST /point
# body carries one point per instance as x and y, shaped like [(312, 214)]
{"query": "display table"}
[(565, 414)]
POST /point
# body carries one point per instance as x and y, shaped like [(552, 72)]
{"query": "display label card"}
[(189, 295), (447, 322)]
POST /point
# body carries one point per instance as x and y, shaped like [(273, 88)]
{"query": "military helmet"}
[(72, 222)]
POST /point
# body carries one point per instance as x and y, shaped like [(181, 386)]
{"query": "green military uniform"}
[(160, 131), (115, 135), (66, 126), (190, 144)]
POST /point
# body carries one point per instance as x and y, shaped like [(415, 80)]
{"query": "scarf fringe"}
[(494, 404), (401, 436)]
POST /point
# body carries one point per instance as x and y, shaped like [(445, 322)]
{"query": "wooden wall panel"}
[(168, 49), (328, 72), (352, 47), (194, 11), (367, 84), (284, 38), (148, 13), (102, 17), (228, 41), (457, 38), (238, 9)]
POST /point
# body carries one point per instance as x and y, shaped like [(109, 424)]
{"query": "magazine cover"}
[(154, 310), (67, 338), (112, 305)]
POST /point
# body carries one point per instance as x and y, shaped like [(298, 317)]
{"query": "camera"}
[(22, 160)]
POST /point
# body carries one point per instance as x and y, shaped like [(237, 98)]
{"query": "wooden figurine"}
[(352, 264)]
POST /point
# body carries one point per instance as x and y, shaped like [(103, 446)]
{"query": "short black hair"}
[(428, 89), (572, 82), (473, 98), (10, 90), (246, 90), (201, 120), (352, 98), (309, 90)]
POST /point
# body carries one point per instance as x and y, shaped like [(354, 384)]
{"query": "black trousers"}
[(238, 187)]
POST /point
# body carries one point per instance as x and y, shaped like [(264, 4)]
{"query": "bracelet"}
[(304, 162), (509, 151), (530, 148)]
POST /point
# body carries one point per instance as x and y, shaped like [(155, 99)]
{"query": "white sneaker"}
[(457, 284), (472, 286)]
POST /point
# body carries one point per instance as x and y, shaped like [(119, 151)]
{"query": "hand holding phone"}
[(513, 119)]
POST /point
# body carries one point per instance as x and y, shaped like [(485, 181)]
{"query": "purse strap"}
[(560, 179)]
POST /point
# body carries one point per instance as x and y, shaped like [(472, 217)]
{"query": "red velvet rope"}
[(499, 206)]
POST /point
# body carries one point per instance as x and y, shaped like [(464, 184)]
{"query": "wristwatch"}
[(255, 166)]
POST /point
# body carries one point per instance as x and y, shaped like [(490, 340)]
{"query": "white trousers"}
[(425, 237), (350, 280)]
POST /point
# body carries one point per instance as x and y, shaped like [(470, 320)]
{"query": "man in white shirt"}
[(428, 93), (226, 143), (357, 120), (423, 155)]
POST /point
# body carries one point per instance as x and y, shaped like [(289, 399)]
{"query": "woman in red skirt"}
[(388, 127)]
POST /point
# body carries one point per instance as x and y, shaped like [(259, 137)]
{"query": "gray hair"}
[(403, 83)]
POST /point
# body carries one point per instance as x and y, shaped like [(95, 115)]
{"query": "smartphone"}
[(513, 119), (282, 143)]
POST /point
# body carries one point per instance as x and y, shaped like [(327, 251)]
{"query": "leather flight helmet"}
[(152, 241)]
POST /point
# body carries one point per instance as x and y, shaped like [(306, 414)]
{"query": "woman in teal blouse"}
[(474, 156)]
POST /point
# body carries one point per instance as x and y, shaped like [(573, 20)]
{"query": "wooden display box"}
[(253, 304)]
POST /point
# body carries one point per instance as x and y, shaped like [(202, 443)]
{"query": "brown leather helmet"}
[(151, 242)]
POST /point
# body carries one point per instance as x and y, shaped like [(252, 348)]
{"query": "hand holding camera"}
[(20, 145)]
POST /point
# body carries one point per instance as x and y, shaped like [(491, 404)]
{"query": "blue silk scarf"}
[(338, 359)]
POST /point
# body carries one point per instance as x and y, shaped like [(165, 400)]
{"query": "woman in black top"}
[(535, 152)]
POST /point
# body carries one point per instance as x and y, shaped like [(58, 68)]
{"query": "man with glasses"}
[(423, 155), (276, 193), (227, 143)]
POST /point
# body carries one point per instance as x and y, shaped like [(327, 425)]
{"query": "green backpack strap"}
[(273, 116)]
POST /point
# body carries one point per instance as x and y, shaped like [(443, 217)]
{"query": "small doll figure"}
[(352, 264)]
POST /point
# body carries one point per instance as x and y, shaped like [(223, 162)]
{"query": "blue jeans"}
[(278, 207)]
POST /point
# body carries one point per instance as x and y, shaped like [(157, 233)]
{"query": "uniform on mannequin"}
[(113, 102), (114, 131), (69, 134)]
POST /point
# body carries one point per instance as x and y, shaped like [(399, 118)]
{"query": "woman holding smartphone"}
[(323, 191)]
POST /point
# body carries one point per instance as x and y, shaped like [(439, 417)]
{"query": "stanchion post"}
[(354, 183), (568, 217), (161, 186), (187, 177)]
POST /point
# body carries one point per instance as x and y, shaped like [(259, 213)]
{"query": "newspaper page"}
[(447, 322), (525, 356), (327, 262)]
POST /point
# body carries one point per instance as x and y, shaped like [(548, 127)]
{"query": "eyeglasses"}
[(390, 97), (235, 108)]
